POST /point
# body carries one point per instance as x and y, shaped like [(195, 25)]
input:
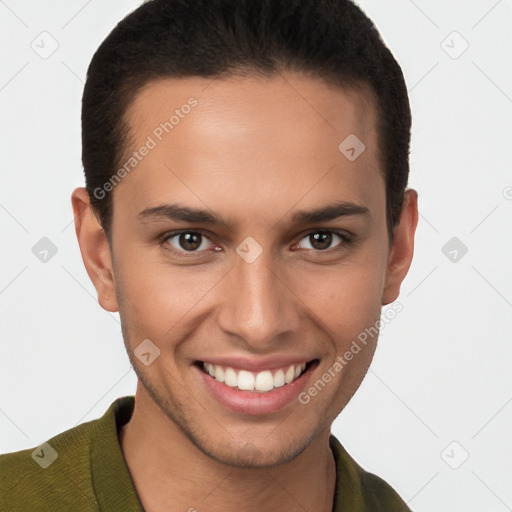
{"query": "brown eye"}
[(187, 241), (322, 240)]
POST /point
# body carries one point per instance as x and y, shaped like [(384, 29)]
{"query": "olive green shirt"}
[(83, 469)]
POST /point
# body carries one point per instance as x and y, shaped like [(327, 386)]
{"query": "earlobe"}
[(402, 247), (95, 249)]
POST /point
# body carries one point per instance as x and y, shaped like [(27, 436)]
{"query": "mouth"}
[(254, 390), (262, 381)]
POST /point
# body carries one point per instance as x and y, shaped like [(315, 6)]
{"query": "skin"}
[(253, 151)]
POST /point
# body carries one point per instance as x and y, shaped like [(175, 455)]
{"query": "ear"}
[(95, 249), (402, 247)]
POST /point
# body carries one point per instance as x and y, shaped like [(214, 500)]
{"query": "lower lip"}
[(249, 402)]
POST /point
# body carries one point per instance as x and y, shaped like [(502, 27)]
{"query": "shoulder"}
[(52, 473), (364, 491), (379, 495), (65, 472)]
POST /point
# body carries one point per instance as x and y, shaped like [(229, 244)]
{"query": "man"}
[(246, 213)]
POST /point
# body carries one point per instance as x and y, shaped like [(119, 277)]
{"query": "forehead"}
[(281, 140)]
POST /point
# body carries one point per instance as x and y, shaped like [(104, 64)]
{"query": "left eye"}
[(321, 240)]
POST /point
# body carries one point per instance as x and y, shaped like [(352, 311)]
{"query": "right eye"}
[(183, 242)]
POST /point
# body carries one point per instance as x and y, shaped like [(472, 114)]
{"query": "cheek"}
[(345, 299), (157, 301), (347, 303)]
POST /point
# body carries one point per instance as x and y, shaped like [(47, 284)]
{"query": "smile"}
[(259, 382)]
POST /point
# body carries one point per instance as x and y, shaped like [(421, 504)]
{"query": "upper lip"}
[(257, 364)]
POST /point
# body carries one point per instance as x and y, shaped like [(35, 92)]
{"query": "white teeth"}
[(279, 379), (219, 373), (250, 381), (230, 378), (245, 380), (289, 375), (264, 381)]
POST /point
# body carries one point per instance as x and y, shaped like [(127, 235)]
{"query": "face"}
[(252, 253)]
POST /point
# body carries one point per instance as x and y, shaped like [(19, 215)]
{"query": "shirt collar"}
[(115, 490), (111, 480)]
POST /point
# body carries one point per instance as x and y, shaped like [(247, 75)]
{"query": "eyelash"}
[(346, 240)]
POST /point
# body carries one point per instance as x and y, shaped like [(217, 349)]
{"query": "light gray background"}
[(440, 384)]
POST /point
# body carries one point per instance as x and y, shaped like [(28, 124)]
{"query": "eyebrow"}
[(197, 216)]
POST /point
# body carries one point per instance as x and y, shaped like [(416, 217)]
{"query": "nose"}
[(258, 306)]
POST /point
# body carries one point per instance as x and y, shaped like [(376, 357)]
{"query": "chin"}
[(250, 455)]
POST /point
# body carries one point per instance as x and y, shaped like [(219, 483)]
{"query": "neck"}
[(170, 473)]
